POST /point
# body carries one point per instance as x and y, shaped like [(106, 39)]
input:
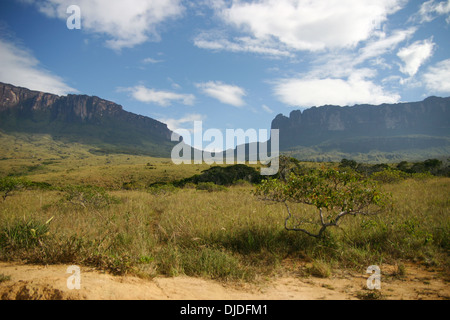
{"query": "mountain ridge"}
[(82, 118), (362, 129), (403, 131)]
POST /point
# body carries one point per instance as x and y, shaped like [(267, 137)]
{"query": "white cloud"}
[(345, 63), (126, 23), (151, 60), (19, 67), (437, 77), (267, 109), (378, 47), (176, 124), (228, 94), (415, 55), (216, 42), (162, 98), (429, 10), (308, 92), (308, 25)]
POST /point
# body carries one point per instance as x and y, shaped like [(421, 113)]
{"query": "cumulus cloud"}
[(162, 98), (308, 25), (437, 77), (19, 67), (308, 92), (415, 55), (225, 93), (125, 23)]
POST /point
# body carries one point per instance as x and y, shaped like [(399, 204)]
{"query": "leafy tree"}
[(345, 163), (334, 193), (288, 165)]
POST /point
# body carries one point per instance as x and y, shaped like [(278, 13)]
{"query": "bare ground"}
[(29, 282)]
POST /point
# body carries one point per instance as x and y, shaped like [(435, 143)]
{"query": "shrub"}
[(89, 196), (225, 176), (389, 176), (162, 189), (335, 194)]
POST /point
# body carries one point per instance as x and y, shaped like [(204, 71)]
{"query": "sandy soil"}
[(28, 282)]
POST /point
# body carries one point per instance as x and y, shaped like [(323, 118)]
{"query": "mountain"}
[(388, 132), (83, 119), (400, 131)]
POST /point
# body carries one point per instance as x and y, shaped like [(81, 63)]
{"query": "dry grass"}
[(226, 234)]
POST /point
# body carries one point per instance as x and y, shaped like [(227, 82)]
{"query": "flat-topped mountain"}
[(394, 128), (83, 119)]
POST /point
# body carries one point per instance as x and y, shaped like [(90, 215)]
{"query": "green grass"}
[(225, 235), (106, 215)]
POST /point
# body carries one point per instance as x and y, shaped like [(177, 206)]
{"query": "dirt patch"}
[(30, 291), (27, 282)]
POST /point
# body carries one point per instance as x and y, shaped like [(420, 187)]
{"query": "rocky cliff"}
[(83, 119), (364, 128)]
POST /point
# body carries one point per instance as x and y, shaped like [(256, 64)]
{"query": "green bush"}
[(224, 176), (162, 189), (89, 196), (335, 194), (389, 176)]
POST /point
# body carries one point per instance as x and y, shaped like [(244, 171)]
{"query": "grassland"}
[(100, 211)]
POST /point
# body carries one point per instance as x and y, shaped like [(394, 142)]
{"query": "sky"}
[(232, 64)]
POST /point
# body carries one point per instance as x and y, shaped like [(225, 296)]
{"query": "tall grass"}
[(222, 235)]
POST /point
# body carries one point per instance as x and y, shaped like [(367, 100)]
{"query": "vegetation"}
[(403, 169), (225, 176), (334, 193), (127, 214)]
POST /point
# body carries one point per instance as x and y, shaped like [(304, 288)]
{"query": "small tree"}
[(334, 193)]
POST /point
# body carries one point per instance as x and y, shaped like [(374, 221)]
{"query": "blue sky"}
[(232, 64)]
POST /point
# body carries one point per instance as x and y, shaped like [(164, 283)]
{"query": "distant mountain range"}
[(389, 132), (83, 119), (404, 131)]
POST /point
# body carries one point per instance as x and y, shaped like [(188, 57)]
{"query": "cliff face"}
[(335, 125), (83, 118)]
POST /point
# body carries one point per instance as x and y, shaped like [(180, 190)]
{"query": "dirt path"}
[(50, 283)]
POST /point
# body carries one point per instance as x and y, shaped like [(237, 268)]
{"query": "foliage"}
[(431, 166), (89, 196), (288, 165), (24, 234), (161, 188), (390, 176), (224, 176), (10, 184), (334, 193)]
